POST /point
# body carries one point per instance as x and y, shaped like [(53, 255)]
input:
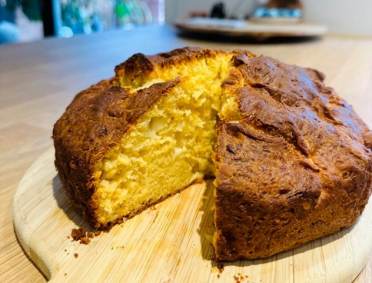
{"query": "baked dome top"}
[(295, 167), (290, 108), (278, 140)]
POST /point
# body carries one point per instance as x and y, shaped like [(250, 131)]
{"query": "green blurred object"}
[(122, 12), (31, 8), (87, 16)]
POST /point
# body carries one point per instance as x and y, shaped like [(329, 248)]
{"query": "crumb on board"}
[(117, 247), (76, 255), (83, 236), (220, 267), (65, 274), (236, 278), (239, 278)]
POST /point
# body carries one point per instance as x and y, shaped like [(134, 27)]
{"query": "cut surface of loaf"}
[(171, 144), (292, 160)]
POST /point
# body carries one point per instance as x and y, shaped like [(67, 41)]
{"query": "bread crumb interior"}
[(171, 145)]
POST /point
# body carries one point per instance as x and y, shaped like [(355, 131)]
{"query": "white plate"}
[(242, 28)]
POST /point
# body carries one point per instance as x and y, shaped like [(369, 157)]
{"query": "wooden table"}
[(39, 79)]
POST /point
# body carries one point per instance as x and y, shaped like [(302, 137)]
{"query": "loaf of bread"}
[(292, 161)]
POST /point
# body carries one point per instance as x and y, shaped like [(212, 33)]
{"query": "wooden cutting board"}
[(166, 243)]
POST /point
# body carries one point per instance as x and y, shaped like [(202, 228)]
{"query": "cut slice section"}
[(171, 145)]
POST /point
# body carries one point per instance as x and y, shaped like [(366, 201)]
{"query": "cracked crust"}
[(140, 65), (295, 168)]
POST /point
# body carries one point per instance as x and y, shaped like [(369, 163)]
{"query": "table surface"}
[(39, 79)]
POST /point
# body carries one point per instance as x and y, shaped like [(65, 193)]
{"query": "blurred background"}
[(27, 20)]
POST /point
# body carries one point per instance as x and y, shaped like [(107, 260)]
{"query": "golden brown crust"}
[(138, 65), (296, 167), (99, 116), (92, 124)]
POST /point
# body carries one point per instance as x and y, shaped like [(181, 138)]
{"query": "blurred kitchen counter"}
[(39, 79)]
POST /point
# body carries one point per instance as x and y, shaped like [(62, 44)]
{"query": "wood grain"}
[(39, 79), (166, 243)]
